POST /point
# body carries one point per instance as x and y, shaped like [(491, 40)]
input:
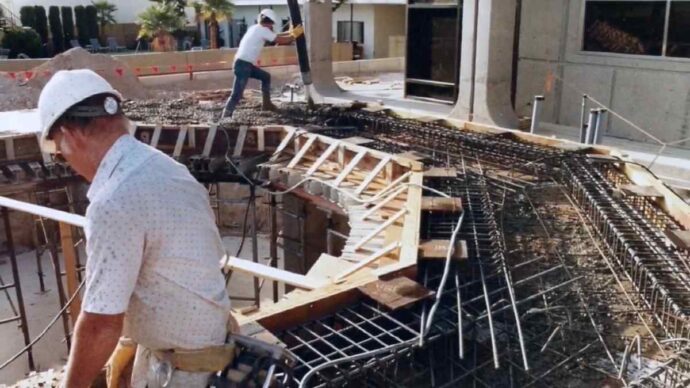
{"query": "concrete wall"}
[(653, 92), (389, 21)]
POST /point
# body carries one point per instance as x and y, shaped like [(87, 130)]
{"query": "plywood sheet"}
[(396, 293)]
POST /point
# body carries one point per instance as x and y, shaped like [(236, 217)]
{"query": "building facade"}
[(632, 56)]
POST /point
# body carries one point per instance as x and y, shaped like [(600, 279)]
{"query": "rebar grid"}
[(659, 273), (534, 317)]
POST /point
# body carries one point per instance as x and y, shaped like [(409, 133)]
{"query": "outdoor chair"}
[(96, 46), (113, 46)]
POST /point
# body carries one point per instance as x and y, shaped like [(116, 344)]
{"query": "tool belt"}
[(210, 359)]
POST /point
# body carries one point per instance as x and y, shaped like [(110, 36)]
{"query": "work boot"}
[(266, 104)]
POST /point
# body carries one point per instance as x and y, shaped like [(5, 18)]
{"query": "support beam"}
[(272, 273), (485, 65)]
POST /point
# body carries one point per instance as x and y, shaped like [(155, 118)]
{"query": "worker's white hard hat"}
[(64, 90), (268, 13)]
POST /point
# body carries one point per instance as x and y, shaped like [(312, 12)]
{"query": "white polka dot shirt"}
[(153, 250)]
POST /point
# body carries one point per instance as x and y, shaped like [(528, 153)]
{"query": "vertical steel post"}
[(274, 241), (593, 113), (255, 244), (583, 117), (536, 113), (596, 139), (17, 285)]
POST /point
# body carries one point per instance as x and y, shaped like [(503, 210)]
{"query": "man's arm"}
[(95, 337), (284, 39)]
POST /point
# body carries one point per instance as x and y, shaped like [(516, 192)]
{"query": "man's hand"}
[(296, 31), (95, 337)]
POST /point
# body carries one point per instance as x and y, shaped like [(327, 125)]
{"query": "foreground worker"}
[(247, 55), (153, 247)]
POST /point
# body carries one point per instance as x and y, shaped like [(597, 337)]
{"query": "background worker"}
[(153, 248), (248, 53)]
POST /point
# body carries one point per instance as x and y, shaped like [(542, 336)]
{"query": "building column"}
[(318, 27), (486, 63)]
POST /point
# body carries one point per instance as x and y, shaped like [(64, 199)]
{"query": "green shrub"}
[(27, 15), (41, 23), (92, 21), (56, 33), (82, 26), (67, 24), (22, 40)]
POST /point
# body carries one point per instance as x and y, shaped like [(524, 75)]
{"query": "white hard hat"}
[(268, 13), (64, 90)]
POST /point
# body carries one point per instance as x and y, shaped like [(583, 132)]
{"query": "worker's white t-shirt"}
[(253, 41), (154, 250)]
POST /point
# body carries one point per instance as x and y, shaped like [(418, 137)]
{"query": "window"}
[(679, 30), (639, 27), (350, 31)]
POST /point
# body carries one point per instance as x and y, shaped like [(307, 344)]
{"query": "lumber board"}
[(272, 273), (372, 174), (181, 136), (322, 159), (441, 172), (303, 151), (396, 293), (350, 166), (369, 260), (239, 143), (646, 191), (45, 212), (438, 249), (441, 204), (210, 137), (70, 256)]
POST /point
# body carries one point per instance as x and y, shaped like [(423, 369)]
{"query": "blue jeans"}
[(243, 72)]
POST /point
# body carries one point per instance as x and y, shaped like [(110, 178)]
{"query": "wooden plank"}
[(646, 191), (442, 204), (367, 181), (383, 203), (180, 142), (260, 139), (303, 151), (438, 249), (412, 155), (396, 293), (441, 172), (156, 135), (357, 140), (70, 256), (272, 273), (284, 143), (350, 166), (380, 229), (680, 238), (210, 137), (410, 233), (327, 266), (239, 144), (368, 260), (46, 212), (324, 156)]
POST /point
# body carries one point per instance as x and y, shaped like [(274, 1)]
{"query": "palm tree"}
[(213, 11), (105, 14), (158, 21)]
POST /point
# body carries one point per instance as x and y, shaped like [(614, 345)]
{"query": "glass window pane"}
[(629, 27), (679, 30), (344, 32)]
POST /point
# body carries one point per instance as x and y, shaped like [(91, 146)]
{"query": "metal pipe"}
[(583, 113), (596, 139), (302, 54), (17, 286), (593, 113), (273, 241), (536, 113)]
